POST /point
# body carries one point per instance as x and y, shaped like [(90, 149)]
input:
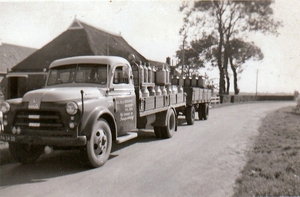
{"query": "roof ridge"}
[(75, 25), (98, 28)]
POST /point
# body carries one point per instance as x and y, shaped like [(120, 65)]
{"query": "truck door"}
[(122, 91)]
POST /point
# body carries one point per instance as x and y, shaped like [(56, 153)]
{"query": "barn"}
[(79, 39), (10, 55)]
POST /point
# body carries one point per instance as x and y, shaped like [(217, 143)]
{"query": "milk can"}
[(158, 90), (161, 75), (150, 73), (145, 73), (141, 73)]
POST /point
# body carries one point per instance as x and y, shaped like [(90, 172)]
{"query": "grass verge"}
[(273, 166)]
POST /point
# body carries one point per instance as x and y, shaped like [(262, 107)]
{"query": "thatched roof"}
[(78, 39), (10, 55)]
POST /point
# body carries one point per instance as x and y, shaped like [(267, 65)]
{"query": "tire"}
[(25, 153), (168, 131), (99, 145), (190, 115), (201, 112), (206, 111), (157, 131)]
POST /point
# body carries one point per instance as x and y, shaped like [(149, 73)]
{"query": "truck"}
[(91, 102)]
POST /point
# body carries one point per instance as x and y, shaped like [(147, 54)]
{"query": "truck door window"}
[(121, 75)]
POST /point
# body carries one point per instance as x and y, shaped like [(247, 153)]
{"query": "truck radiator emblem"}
[(34, 104)]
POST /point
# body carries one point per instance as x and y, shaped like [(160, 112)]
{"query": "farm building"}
[(10, 55), (78, 39)]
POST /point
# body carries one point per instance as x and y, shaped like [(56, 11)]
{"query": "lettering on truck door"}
[(124, 98)]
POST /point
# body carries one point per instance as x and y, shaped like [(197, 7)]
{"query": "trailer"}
[(90, 101)]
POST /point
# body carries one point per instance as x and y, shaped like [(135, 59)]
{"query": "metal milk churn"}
[(195, 81), (141, 73), (135, 72), (167, 74), (145, 73), (150, 73), (158, 90), (161, 75)]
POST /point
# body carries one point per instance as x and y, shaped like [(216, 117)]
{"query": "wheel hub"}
[(100, 142)]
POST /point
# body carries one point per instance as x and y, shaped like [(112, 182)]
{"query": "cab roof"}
[(110, 60)]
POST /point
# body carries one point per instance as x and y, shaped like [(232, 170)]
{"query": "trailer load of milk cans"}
[(157, 87)]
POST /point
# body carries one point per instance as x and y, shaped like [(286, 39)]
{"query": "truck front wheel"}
[(168, 131), (99, 146), (25, 153)]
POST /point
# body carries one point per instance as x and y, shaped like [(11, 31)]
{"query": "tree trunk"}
[(225, 62), (235, 84), (220, 65)]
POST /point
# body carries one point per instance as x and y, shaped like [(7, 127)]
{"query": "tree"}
[(197, 54), (239, 52), (230, 22)]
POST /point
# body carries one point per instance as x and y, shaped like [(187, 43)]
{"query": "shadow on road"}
[(58, 163)]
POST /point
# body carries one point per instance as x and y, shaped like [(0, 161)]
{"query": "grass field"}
[(273, 166)]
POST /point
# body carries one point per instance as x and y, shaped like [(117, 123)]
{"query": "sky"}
[(152, 28)]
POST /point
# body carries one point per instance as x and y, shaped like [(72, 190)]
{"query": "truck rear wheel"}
[(201, 112), (25, 153), (99, 146), (190, 115), (205, 111), (157, 132), (168, 131)]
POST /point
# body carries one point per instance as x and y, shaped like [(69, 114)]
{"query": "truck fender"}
[(99, 112), (161, 118)]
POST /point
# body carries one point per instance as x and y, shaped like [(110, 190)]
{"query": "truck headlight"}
[(4, 107), (71, 108)]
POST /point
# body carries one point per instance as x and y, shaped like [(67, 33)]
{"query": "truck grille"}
[(39, 120)]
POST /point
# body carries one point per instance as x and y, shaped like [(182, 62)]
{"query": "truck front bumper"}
[(40, 140)]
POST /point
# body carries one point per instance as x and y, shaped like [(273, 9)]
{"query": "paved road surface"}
[(200, 160)]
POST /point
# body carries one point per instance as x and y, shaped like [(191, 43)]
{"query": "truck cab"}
[(87, 101)]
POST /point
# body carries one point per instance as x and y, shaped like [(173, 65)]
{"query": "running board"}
[(126, 137)]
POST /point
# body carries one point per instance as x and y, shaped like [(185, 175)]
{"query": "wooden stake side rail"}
[(197, 95), (155, 104)]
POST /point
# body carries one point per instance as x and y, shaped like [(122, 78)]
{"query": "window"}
[(121, 75), (91, 73), (81, 73), (64, 74)]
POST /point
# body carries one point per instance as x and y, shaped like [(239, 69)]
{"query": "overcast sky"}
[(152, 27)]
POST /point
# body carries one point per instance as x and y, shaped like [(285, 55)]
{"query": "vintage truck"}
[(90, 101)]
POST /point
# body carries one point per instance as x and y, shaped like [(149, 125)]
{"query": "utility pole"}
[(256, 81), (183, 54)]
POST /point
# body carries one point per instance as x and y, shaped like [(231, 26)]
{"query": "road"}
[(200, 160)]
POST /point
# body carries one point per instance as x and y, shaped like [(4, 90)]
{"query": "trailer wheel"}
[(190, 115), (25, 153), (201, 112), (206, 111), (168, 131), (157, 131), (99, 146)]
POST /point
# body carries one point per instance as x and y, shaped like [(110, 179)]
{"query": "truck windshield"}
[(78, 73)]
